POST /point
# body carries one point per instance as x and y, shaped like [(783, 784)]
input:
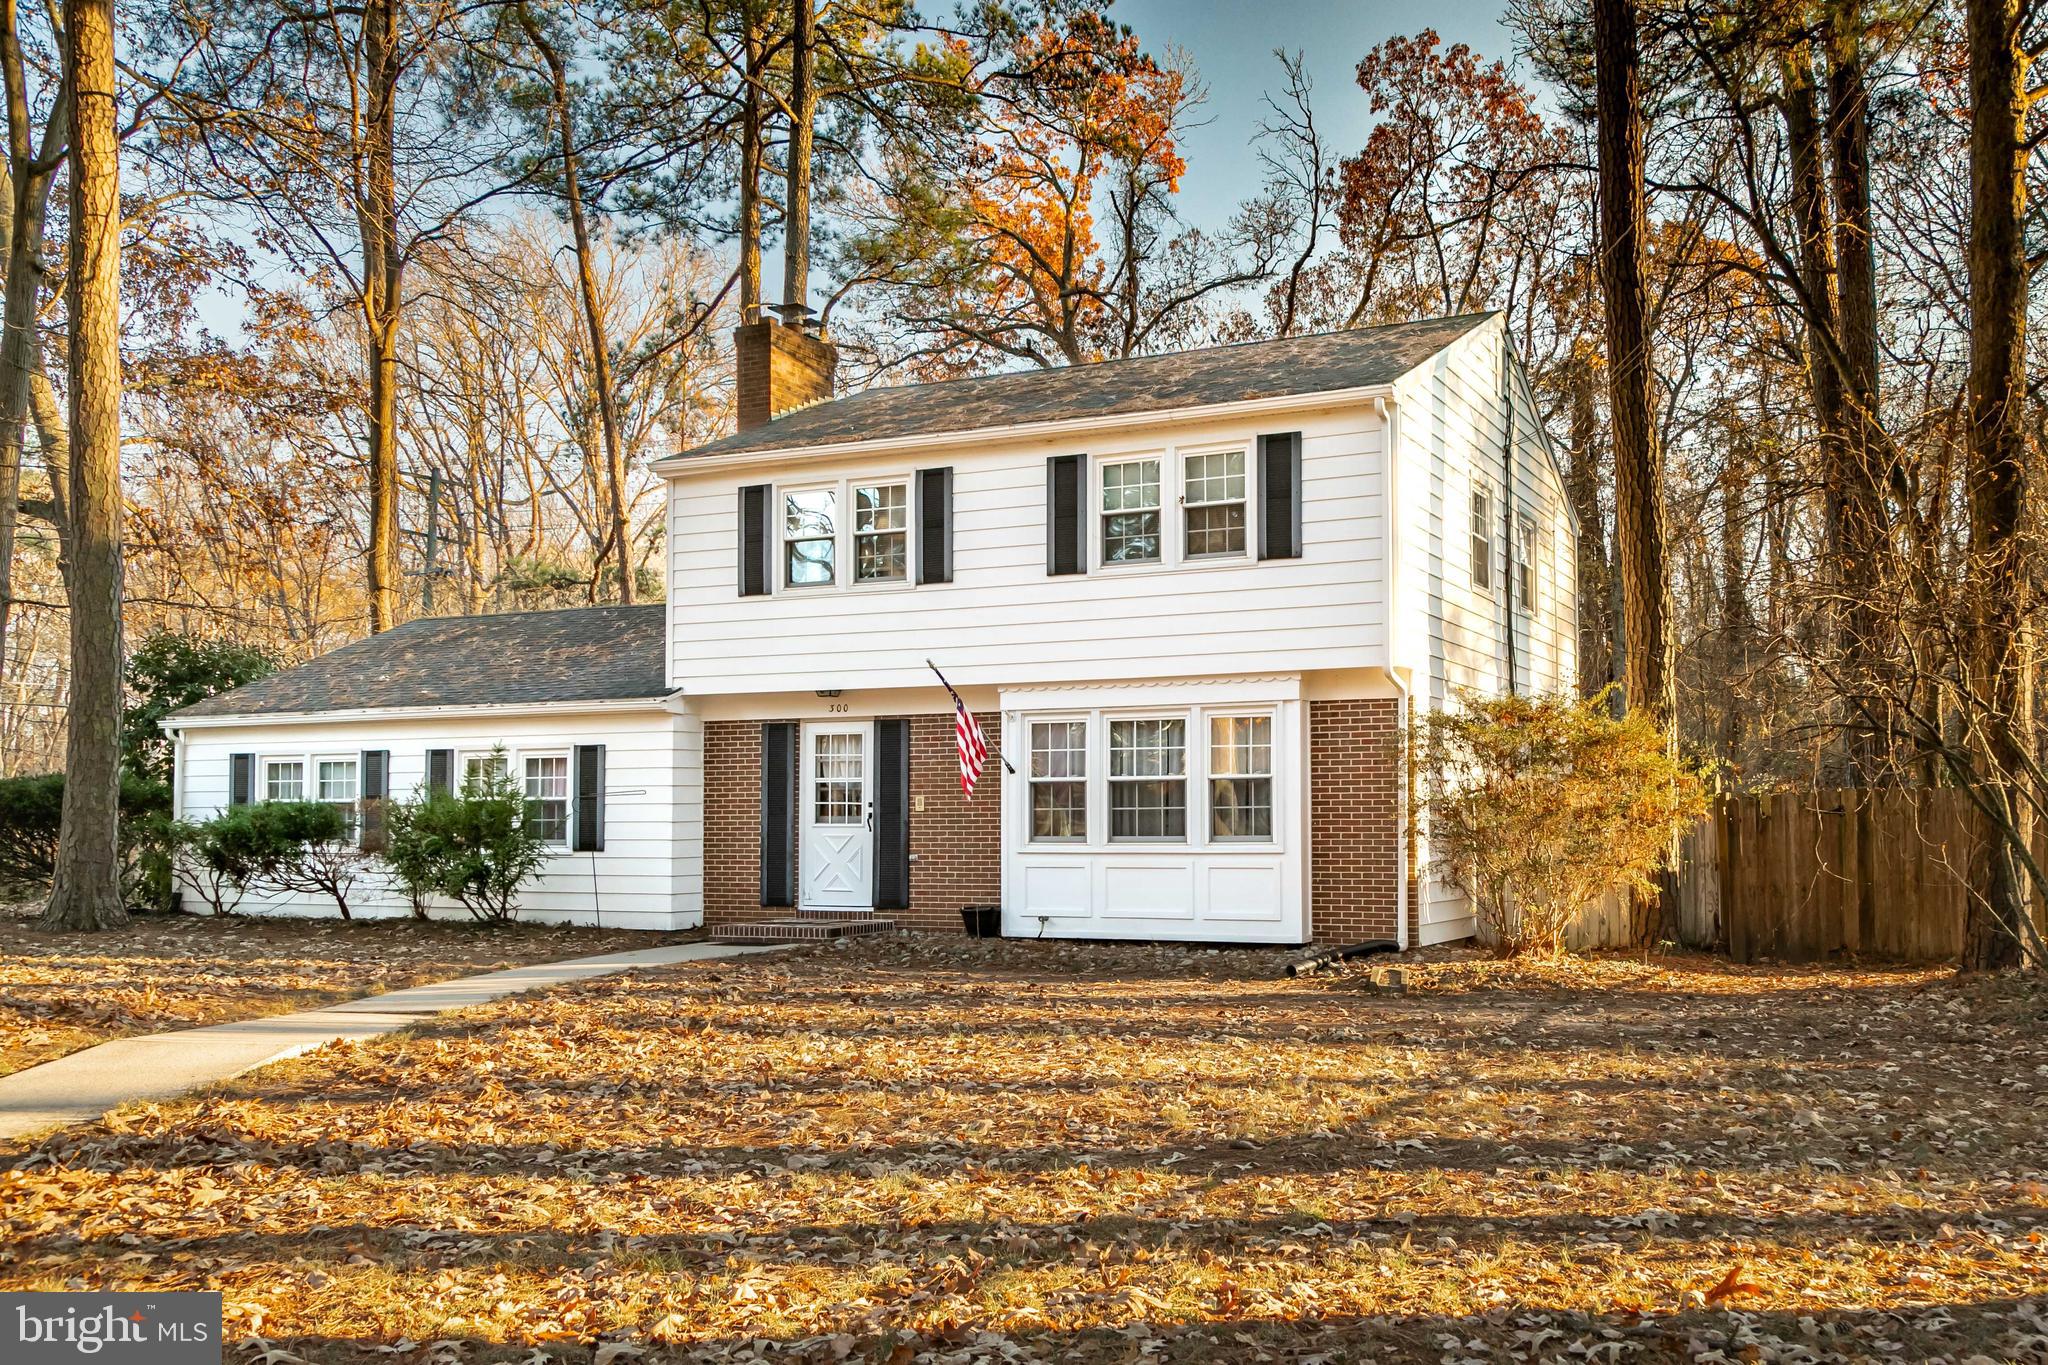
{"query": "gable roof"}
[(582, 654), (1322, 363)]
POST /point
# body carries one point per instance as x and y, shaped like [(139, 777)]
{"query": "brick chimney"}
[(780, 368)]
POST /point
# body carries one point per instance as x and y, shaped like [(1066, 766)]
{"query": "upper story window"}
[(1213, 500), (881, 533), (1482, 539), (1130, 512), (284, 779), (810, 536), (1525, 561)]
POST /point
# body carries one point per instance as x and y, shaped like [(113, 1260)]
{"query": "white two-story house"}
[(1191, 599)]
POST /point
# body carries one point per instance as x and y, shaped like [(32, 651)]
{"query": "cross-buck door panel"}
[(836, 847)]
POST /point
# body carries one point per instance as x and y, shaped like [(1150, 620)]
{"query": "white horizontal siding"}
[(1004, 620), (649, 875)]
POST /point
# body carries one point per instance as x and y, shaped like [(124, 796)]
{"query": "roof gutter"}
[(174, 723), (676, 465)]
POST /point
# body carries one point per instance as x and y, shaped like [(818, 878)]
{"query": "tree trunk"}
[(1595, 657), (1638, 494), (620, 540), (2000, 577), (86, 892), (382, 306), (750, 169), (803, 115)]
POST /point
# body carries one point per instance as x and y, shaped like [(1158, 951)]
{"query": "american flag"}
[(972, 744)]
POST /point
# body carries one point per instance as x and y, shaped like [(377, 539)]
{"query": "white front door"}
[(836, 845)]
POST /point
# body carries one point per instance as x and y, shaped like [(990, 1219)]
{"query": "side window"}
[(810, 536), (1525, 561), (1059, 779), (1482, 539), (1130, 512)]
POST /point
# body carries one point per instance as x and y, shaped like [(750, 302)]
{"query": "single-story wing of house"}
[(1188, 600)]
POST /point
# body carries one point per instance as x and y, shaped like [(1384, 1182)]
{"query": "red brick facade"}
[(1356, 816), (955, 843), (1356, 806)]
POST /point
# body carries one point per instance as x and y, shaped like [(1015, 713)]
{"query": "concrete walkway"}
[(162, 1066)]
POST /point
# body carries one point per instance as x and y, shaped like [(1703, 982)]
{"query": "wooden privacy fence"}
[(1805, 876)]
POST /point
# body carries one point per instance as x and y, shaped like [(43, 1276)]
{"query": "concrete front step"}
[(803, 929)]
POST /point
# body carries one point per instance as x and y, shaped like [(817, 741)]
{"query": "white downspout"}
[(1389, 415)]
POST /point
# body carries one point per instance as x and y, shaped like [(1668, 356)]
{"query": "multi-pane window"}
[(1525, 561), (1148, 786), (1130, 512), (1482, 539), (1240, 777), (477, 769), (547, 796), (336, 779), (837, 787), (1213, 496), (284, 779), (881, 533), (810, 536), (1059, 779)]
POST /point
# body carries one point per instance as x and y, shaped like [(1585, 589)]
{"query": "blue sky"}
[(1232, 42)]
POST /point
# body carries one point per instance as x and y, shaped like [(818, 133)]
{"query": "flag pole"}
[(1000, 756)]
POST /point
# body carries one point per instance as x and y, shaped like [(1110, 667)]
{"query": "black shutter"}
[(757, 537), (935, 525), (778, 812), (1280, 496), (375, 771), (892, 814), (586, 832), (441, 771), (241, 779), (1066, 540)]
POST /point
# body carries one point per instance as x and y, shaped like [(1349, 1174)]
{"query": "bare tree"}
[(86, 892)]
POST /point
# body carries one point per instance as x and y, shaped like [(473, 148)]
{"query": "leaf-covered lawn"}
[(932, 1150), (63, 992)]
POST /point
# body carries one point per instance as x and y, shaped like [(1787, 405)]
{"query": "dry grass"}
[(63, 992), (923, 1150)]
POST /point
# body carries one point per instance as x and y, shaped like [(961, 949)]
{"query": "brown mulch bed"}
[(63, 992), (918, 1149)]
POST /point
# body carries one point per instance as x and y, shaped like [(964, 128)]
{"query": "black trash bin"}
[(982, 921)]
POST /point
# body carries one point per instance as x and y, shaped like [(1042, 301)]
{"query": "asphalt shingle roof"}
[(583, 654), (1218, 374)]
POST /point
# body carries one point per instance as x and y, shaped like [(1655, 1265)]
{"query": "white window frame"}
[(1480, 568), (1527, 539), (1196, 763), (1183, 454), (568, 798), (1088, 773), (845, 547), (268, 761), (1160, 461), (464, 757), (855, 535), (1173, 518), (350, 808)]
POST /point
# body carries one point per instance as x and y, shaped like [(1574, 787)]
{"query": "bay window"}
[(1059, 779), (1240, 777), (1213, 502), (881, 533), (1130, 512), (810, 536), (1148, 789)]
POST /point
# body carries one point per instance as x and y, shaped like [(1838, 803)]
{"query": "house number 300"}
[(838, 708)]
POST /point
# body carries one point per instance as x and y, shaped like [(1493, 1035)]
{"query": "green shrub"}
[(477, 847), (299, 846), (32, 812), (1539, 805)]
